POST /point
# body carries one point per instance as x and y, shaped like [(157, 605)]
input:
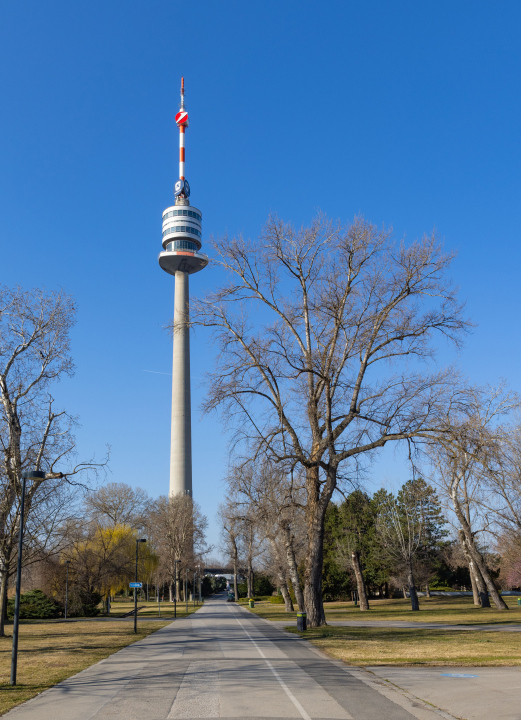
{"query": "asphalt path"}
[(223, 662)]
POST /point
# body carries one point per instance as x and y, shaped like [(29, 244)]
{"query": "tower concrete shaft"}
[(181, 430), (181, 256)]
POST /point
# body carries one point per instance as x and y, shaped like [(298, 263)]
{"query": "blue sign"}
[(458, 675), (136, 585)]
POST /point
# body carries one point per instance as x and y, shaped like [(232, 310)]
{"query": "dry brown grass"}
[(150, 609), (398, 646), (50, 651), (460, 611)]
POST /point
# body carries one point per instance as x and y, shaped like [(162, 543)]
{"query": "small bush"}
[(277, 600), (35, 605), (440, 588), (83, 603), (263, 585)]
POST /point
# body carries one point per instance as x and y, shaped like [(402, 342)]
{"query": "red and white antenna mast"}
[(182, 188)]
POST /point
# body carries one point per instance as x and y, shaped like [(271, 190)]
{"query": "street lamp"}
[(67, 563), (31, 475), (135, 588), (175, 587), (194, 587), (186, 589)]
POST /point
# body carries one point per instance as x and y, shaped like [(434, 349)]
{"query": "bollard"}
[(251, 602), (301, 622)]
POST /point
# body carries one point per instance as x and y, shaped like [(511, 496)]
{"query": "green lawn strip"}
[(50, 652), (453, 611), (408, 646)]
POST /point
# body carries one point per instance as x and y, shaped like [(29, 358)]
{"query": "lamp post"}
[(31, 475), (67, 563), (194, 587), (135, 589), (175, 588), (186, 589)]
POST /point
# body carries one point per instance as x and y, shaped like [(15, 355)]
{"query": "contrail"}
[(156, 372)]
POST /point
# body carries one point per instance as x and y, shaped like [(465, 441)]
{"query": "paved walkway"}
[(222, 662)]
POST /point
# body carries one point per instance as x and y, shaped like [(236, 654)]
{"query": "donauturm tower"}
[(181, 257)]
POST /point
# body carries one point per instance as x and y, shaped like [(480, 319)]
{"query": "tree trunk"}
[(415, 605), (475, 593), (386, 589), (280, 576), (360, 584), (315, 514), (235, 573), (287, 597), (427, 590), (477, 558), (313, 581), (404, 592), (249, 579), (477, 596), (292, 567), (4, 582), (475, 574)]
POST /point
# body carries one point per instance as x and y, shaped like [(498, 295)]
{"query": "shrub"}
[(277, 600), (83, 603), (35, 605), (263, 585)]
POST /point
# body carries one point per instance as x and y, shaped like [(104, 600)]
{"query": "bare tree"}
[(278, 569), (503, 480), (320, 332), (119, 504), (400, 535), (462, 459), (177, 530), (250, 542), (231, 521), (34, 435), (274, 498)]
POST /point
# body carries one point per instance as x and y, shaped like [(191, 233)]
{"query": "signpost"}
[(136, 584)]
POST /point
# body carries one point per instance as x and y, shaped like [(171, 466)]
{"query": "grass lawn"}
[(456, 610), (150, 609), (49, 652), (397, 646)]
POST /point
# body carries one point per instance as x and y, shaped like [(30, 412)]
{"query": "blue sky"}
[(406, 112)]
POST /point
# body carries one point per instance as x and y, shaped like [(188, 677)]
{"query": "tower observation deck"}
[(181, 256)]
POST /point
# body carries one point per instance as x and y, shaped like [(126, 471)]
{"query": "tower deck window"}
[(184, 213), (181, 229), (182, 245)]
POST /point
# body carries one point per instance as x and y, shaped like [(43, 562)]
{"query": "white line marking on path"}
[(281, 681)]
